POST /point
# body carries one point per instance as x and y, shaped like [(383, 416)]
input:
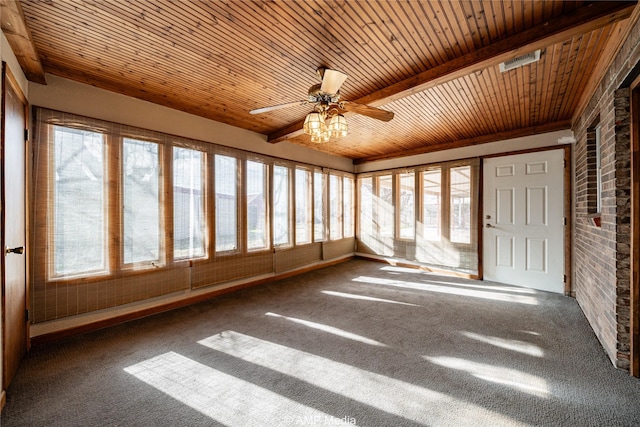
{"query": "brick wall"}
[(601, 253)]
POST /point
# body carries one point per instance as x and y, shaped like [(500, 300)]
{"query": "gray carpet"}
[(357, 343)]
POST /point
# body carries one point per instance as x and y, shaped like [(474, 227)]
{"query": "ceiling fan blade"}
[(332, 80), (365, 110), (277, 107)]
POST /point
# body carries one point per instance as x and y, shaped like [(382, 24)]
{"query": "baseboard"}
[(183, 301), (407, 264)]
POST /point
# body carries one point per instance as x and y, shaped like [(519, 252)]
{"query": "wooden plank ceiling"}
[(434, 64)]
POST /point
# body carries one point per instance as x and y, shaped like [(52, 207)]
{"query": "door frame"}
[(567, 211), (9, 80)]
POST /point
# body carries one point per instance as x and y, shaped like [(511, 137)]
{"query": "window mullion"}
[(167, 213), (115, 206), (445, 203), (210, 207)]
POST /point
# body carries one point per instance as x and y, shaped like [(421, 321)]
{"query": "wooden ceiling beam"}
[(17, 32), (583, 20)]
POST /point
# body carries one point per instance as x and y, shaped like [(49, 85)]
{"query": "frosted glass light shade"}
[(321, 137), (314, 124), (338, 126)]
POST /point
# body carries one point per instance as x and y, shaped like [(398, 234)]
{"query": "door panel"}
[(523, 230), (13, 232)]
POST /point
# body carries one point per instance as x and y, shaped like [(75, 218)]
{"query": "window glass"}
[(141, 202), (281, 205), (188, 206), (431, 195), (226, 190), (366, 208), (385, 206), (460, 206), (407, 206), (256, 204), (303, 206), (318, 206), (79, 220), (347, 211), (335, 207)]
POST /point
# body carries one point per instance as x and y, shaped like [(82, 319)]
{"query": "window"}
[(431, 204), (335, 207), (594, 171), (127, 208), (407, 214), (366, 206), (188, 206), (318, 206), (347, 210), (281, 197), (141, 201), (256, 204), (460, 204), (598, 169), (79, 205), (385, 209), (303, 206), (226, 190)]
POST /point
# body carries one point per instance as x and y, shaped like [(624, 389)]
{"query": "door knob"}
[(19, 250), (489, 226)]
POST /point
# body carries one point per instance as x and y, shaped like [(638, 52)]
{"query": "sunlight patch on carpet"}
[(222, 397), (495, 288), (507, 343), (329, 329), (393, 269), (367, 298), (511, 378), (396, 397), (451, 290)]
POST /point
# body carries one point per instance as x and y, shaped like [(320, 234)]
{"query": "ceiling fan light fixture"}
[(314, 124), (338, 126), (321, 138)]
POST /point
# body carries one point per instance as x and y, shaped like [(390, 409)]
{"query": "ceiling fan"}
[(327, 106)]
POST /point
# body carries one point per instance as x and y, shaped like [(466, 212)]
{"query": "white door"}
[(523, 232)]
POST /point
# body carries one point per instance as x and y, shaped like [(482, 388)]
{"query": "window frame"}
[(290, 212), (308, 205), (266, 199), (421, 204), (321, 225), (398, 206), (335, 202), (162, 209), (204, 165), (598, 166), (450, 207), (382, 222), (49, 151), (238, 198)]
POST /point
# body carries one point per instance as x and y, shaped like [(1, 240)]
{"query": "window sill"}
[(594, 220)]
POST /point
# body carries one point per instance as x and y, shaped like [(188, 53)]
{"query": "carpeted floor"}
[(357, 343)]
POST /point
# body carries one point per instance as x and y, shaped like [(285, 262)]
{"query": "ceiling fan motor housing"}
[(317, 95)]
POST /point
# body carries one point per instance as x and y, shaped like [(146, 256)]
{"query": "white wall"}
[(82, 99), (509, 145)]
